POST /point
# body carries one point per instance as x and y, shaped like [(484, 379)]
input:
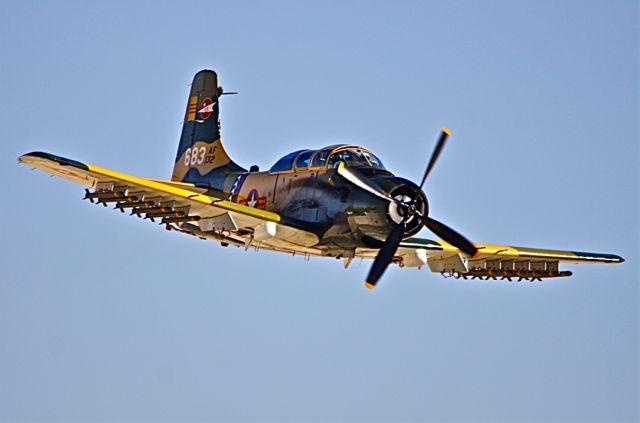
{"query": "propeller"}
[(451, 236), (436, 153), (386, 253), (358, 180)]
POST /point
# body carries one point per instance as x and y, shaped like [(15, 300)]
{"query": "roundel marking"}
[(206, 111), (252, 198)]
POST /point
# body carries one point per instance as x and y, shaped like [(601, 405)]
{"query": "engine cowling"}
[(373, 217), (415, 205)]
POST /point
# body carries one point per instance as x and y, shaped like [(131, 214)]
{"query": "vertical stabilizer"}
[(201, 158)]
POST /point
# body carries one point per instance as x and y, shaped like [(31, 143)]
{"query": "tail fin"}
[(201, 158)]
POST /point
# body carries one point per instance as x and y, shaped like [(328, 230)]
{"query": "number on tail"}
[(194, 156)]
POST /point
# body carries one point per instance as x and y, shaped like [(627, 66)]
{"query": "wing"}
[(177, 205), (494, 261)]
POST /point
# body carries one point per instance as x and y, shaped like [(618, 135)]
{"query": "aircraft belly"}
[(288, 247), (296, 237)]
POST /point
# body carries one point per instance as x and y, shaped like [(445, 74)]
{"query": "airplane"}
[(338, 201)]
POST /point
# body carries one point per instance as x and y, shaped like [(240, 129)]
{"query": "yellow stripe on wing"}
[(170, 188), (483, 249), (490, 250)]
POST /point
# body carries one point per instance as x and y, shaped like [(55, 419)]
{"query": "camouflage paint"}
[(316, 200), (201, 158)]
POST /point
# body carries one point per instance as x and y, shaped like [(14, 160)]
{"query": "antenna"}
[(221, 92)]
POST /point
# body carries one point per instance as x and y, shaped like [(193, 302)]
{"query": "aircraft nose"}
[(410, 207)]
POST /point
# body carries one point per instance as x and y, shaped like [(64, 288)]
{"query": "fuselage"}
[(305, 189)]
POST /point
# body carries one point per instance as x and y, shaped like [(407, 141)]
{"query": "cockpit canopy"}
[(351, 155)]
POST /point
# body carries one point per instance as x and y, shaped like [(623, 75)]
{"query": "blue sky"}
[(105, 317)]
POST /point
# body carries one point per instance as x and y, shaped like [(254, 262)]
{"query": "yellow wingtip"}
[(369, 286), (446, 131)]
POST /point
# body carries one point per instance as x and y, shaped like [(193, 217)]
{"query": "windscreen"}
[(355, 157)]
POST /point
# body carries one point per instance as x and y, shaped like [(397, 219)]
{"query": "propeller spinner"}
[(407, 210)]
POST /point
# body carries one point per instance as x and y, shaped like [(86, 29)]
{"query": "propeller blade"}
[(436, 153), (361, 182), (385, 255), (451, 236)]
